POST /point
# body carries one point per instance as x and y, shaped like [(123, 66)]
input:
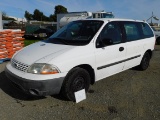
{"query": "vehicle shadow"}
[(136, 68), (60, 97), (7, 87)]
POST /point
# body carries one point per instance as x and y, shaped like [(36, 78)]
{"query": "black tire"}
[(145, 61), (158, 41), (77, 79)]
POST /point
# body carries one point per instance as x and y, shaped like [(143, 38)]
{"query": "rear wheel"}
[(77, 79), (145, 61), (158, 41)]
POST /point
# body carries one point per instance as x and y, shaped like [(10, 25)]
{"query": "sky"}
[(133, 9)]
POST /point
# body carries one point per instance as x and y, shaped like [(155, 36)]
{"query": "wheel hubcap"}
[(78, 84)]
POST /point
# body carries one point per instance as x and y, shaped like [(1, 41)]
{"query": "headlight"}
[(42, 68)]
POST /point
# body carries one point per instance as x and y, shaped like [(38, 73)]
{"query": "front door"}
[(110, 51)]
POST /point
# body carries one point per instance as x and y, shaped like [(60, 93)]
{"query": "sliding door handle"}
[(121, 49)]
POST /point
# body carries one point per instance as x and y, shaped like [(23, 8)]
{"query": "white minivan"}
[(79, 54)]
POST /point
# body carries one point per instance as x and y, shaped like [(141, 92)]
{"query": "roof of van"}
[(114, 19)]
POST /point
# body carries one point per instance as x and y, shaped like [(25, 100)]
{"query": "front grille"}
[(18, 65)]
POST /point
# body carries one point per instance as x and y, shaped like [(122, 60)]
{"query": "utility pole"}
[(154, 17), (1, 24), (151, 19)]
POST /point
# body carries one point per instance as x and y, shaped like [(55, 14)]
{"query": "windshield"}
[(76, 33)]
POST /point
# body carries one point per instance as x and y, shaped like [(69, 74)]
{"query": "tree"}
[(28, 16), (37, 15), (60, 9), (45, 18), (5, 17), (52, 18), (4, 14)]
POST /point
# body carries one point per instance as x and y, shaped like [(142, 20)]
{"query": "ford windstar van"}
[(79, 54)]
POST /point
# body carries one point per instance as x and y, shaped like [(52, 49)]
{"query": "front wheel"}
[(145, 61), (77, 79)]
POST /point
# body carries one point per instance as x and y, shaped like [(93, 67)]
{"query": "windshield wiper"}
[(84, 38), (57, 40)]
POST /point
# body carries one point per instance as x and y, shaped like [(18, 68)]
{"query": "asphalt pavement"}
[(129, 95)]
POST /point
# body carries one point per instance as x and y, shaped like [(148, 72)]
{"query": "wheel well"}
[(158, 38), (150, 53), (90, 70)]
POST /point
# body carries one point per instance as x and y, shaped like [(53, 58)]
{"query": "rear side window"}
[(147, 32), (132, 31)]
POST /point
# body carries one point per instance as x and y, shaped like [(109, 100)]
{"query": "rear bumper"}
[(36, 87)]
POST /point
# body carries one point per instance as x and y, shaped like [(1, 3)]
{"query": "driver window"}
[(110, 35)]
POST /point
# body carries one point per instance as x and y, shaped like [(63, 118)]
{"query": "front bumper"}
[(36, 87)]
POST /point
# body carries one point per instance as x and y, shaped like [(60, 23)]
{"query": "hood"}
[(40, 52)]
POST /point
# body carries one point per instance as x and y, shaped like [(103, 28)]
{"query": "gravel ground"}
[(130, 95)]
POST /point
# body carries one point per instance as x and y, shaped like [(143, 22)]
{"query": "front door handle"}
[(121, 49)]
